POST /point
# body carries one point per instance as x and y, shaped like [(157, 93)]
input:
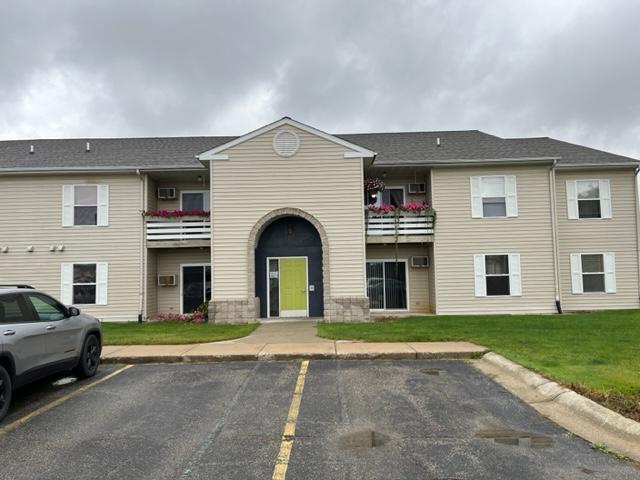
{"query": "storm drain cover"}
[(363, 439), (516, 438)]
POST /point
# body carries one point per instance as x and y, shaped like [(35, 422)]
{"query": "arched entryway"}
[(288, 269)]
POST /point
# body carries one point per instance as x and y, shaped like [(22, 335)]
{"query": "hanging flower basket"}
[(373, 185), (175, 213)]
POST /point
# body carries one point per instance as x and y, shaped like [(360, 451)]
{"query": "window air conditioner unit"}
[(417, 188), (166, 193), (420, 262), (166, 280)]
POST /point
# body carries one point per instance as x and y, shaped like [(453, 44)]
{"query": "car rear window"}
[(12, 309)]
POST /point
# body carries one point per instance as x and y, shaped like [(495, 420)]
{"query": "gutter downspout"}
[(143, 247), (636, 171), (554, 235)]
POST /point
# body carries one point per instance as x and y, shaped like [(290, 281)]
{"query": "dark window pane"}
[(395, 285), (84, 294), (85, 216), (593, 282), (192, 288), (193, 201), (48, 310), (592, 263), (12, 309), (375, 285), (494, 207), (207, 286), (496, 264), (274, 288), (84, 273), (589, 209), (393, 196), (498, 285)]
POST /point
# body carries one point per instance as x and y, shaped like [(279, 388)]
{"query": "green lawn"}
[(598, 353), (171, 333)]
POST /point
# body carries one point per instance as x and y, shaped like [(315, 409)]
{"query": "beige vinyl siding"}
[(152, 194), (32, 216), (431, 271), (180, 187), (168, 263), (152, 282), (317, 179), (418, 287), (616, 235), (458, 237)]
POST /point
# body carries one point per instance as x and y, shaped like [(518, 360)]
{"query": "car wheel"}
[(90, 357), (5, 392)]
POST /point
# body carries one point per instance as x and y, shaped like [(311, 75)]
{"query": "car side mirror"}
[(74, 311)]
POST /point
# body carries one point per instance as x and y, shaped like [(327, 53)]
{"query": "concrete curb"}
[(599, 417), (262, 356)]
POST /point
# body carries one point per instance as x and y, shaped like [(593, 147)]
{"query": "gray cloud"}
[(569, 69)]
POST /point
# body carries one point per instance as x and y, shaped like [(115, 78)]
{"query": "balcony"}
[(178, 233), (409, 227)]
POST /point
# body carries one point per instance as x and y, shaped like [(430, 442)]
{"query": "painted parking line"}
[(286, 444), (45, 408)]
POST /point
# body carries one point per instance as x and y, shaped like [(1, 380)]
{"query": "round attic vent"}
[(286, 143)]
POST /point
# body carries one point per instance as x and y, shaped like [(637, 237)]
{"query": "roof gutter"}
[(634, 164), (14, 171), (469, 161)]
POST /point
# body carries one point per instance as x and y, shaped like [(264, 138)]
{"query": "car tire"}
[(89, 358), (6, 391)]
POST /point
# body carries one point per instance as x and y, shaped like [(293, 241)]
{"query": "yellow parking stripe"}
[(45, 408), (286, 444)]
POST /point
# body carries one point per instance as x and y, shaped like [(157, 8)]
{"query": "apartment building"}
[(289, 221)]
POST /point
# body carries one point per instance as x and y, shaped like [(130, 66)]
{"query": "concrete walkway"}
[(286, 340)]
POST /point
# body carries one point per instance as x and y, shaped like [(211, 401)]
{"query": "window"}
[(588, 199), (194, 200), (13, 309), (387, 285), (593, 273), (84, 283), (389, 196), (47, 309), (497, 274), (493, 196), (85, 205)]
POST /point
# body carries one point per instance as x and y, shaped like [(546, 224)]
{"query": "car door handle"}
[(51, 327), (9, 332)]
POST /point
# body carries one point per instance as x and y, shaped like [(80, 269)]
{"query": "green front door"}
[(293, 287)]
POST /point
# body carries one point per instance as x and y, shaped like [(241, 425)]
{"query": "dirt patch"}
[(627, 405)]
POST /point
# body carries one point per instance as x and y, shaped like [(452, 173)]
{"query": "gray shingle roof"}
[(408, 148)]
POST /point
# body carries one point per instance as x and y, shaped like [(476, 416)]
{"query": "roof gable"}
[(217, 153)]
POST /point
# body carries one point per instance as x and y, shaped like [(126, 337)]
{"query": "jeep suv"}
[(40, 336)]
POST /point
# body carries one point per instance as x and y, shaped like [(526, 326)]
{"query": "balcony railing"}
[(178, 230), (406, 224)]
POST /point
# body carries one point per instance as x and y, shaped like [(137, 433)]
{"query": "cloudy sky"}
[(567, 69)]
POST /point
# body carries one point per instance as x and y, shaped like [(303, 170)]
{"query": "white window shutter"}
[(609, 273), (605, 198), (481, 284), (102, 274), (103, 205), (476, 198), (515, 278), (66, 283), (67, 205), (576, 273), (572, 200), (512, 196)]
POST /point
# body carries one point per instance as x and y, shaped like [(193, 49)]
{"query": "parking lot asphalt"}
[(401, 419)]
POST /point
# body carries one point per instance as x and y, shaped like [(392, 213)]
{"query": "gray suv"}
[(40, 336)]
